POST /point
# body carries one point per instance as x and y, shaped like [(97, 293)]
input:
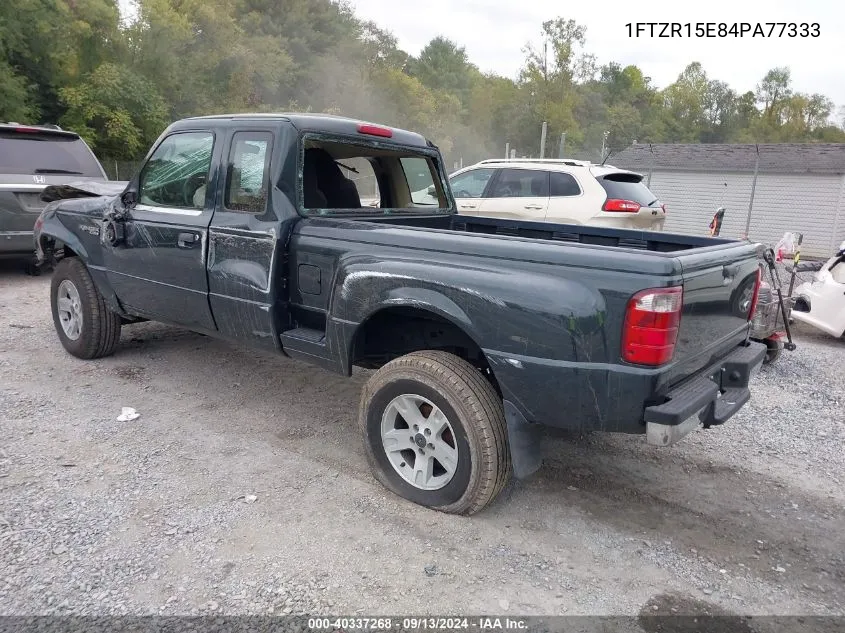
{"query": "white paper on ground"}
[(127, 414)]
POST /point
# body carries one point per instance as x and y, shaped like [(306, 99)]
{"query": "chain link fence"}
[(120, 169)]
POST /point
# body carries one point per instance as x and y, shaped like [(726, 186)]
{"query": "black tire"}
[(99, 332), (774, 349), (32, 268), (475, 413)]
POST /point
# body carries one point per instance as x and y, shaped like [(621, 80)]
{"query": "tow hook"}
[(113, 233)]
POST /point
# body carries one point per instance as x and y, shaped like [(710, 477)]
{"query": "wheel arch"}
[(54, 235), (394, 330)]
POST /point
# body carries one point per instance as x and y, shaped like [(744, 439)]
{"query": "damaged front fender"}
[(50, 233)]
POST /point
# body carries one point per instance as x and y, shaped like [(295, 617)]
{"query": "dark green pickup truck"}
[(252, 228)]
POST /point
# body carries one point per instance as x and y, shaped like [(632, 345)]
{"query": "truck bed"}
[(570, 233), (606, 264)]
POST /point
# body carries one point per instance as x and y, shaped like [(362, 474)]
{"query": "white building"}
[(797, 187)]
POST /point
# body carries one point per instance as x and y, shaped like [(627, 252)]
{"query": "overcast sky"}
[(495, 31)]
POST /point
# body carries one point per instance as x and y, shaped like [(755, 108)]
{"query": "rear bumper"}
[(16, 243), (710, 398), (620, 398)]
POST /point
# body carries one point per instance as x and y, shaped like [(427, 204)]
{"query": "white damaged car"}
[(821, 302)]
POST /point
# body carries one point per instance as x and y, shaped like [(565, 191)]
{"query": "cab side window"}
[(176, 175), (247, 172)]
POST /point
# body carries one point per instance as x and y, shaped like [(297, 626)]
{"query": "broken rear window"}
[(342, 178)]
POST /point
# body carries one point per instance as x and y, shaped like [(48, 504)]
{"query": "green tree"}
[(442, 65), (118, 112)]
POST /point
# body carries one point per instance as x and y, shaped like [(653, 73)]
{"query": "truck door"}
[(158, 269), (243, 239)]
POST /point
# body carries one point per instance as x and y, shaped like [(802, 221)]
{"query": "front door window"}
[(176, 175)]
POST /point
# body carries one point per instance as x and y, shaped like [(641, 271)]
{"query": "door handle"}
[(466, 206), (533, 206), (187, 240)]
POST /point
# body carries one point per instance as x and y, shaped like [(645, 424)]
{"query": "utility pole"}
[(507, 150), (753, 187), (651, 167), (562, 145), (545, 61), (603, 143), (543, 140)]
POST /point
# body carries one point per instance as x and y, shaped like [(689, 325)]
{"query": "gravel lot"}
[(243, 488)]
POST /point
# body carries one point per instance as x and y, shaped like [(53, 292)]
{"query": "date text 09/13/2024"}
[(723, 29)]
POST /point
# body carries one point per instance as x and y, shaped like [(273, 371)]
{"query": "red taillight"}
[(27, 130), (757, 283), (651, 326), (375, 130), (625, 206)]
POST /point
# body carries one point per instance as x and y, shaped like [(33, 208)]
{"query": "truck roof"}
[(310, 122)]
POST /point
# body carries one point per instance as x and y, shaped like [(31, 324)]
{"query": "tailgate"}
[(715, 312)]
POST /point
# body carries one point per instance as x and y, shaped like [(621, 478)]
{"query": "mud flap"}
[(524, 439)]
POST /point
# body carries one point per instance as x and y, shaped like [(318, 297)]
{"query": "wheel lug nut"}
[(416, 427), (431, 446), (428, 431), (402, 465), (422, 452)]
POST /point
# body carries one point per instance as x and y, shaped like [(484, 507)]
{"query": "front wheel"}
[(86, 327), (434, 432)]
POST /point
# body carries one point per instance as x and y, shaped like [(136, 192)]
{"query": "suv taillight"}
[(651, 326), (754, 297), (625, 206)]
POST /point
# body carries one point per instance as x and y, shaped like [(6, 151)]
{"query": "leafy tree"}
[(773, 91), (118, 112), (119, 83), (442, 65)]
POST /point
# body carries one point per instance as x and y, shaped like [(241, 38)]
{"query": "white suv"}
[(562, 191)]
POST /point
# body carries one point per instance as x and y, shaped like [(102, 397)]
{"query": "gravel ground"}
[(243, 488)]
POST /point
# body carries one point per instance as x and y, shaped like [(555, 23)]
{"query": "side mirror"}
[(129, 198), (431, 190)]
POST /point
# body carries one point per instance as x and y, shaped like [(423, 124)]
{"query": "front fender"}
[(49, 226), (59, 226)]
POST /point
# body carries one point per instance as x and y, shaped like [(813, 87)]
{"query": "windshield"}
[(35, 153)]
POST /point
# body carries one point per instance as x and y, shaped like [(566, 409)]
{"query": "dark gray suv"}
[(32, 157)]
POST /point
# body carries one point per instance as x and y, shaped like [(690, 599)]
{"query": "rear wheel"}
[(434, 432), (86, 327)]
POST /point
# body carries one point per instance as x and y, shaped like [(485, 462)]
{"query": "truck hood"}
[(83, 189)]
